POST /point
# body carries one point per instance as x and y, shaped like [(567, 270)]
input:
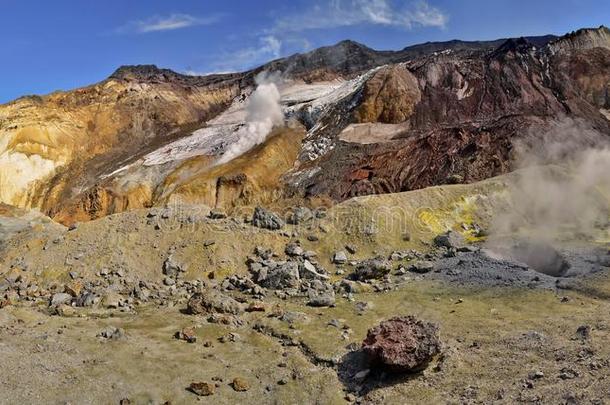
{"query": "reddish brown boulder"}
[(402, 344)]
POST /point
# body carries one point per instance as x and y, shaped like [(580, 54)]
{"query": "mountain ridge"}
[(454, 107)]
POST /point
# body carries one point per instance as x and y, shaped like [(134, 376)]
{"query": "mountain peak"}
[(517, 45), (143, 73)]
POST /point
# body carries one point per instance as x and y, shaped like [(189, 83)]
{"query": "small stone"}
[(208, 243), (171, 268), (449, 240), (371, 269), (350, 398), (186, 334), (239, 384), (59, 299), (202, 389), (583, 332), (256, 307), (421, 266), (334, 322), (266, 219), (351, 249), (212, 301), (74, 288), (568, 374), (111, 332), (217, 214), (293, 249), (300, 215), (321, 299), (340, 257), (111, 300), (308, 271), (86, 299)]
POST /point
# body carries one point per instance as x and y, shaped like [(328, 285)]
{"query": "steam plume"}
[(565, 192), (263, 113)]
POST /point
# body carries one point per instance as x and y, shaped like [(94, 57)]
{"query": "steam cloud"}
[(263, 113), (564, 193)]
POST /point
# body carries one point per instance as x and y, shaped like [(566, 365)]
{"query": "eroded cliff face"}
[(363, 122), (389, 96), (462, 118), (253, 178), (56, 145)]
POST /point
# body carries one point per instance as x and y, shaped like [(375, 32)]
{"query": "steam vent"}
[(242, 212)]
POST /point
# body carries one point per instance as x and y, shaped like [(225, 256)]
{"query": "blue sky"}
[(62, 44)]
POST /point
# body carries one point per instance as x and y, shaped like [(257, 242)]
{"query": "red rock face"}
[(402, 344), (471, 108)]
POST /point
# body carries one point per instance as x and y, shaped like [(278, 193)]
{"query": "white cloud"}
[(269, 48), (343, 13), (167, 23), (286, 31)]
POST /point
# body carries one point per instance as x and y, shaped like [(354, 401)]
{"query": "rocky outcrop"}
[(210, 302), (266, 219), (585, 38), (390, 96)]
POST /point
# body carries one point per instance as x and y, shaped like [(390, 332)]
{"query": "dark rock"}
[(266, 219), (212, 301), (282, 275), (308, 271), (171, 268), (86, 299), (217, 214), (186, 334), (421, 266), (293, 249), (402, 344), (321, 299), (450, 240), (568, 374), (583, 332), (371, 269), (351, 249), (300, 215), (340, 257)]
